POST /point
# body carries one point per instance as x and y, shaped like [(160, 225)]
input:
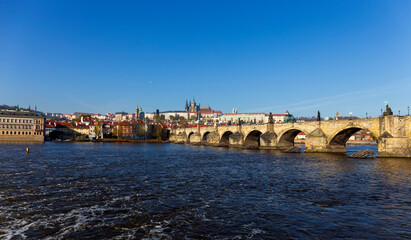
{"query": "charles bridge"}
[(393, 134)]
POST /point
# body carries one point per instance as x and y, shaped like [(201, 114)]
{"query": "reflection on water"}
[(127, 191)]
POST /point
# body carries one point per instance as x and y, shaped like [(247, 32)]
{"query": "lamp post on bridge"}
[(366, 115), (408, 110), (350, 115)]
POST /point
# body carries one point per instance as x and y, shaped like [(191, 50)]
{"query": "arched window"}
[(29, 133), (7, 132)]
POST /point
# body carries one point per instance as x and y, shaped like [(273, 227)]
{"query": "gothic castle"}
[(193, 107)]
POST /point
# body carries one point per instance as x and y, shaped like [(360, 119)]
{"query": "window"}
[(29, 133)]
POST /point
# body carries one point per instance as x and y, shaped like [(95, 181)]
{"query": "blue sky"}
[(257, 56)]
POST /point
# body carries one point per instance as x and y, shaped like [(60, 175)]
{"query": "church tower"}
[(193, 106), (186, 108)]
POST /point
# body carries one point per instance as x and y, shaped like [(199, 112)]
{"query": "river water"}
[(167, 191)]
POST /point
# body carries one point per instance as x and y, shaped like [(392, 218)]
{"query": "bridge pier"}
[(268, 140), (173, 135), (395, 136), (316, 141), (194, 138), (236, 140), (181, 137), (394, 147), (211, 138)]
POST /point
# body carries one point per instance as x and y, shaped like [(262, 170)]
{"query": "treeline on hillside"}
[(7, 107)]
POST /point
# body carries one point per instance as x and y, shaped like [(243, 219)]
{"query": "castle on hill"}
[(192, 111), (193, 107)]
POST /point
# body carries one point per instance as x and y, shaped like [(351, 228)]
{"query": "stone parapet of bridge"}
[(393, 134)]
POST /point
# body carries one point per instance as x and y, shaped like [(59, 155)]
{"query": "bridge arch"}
[(338, 140), (205, 135), (252, 139), (225, 138), (286, 138), (189, 136)]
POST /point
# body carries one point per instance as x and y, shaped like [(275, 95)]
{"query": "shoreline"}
[(110, 140), (348, 143)]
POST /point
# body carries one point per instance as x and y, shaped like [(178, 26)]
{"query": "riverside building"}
[(21, 126)]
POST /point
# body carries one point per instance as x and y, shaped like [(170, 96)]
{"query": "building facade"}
[(21, 126), (255, 117)]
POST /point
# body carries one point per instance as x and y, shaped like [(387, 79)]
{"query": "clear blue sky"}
[(257, 56)]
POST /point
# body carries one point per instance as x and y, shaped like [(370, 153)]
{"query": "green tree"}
[(182, 123), (97, 128)]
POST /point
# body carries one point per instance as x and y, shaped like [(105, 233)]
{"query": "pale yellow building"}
[(81, 130), (21, 126)]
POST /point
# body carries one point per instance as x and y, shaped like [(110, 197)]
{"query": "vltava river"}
[(166, 191)]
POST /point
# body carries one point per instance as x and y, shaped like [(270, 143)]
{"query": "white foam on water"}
[(12, 232), (255, 231), (69, 222)]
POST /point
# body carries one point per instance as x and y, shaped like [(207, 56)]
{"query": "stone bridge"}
[(393, 134)]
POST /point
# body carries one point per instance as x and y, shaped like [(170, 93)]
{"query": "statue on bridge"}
[(270, 118), (388, 110)]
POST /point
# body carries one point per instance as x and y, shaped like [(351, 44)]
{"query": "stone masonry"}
[(392, 132)]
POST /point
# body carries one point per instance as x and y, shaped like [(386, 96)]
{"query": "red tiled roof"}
[(208, 111)]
